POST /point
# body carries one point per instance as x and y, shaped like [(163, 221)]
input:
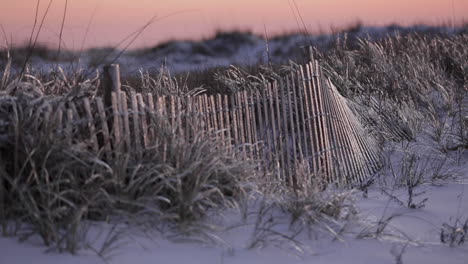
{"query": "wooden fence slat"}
[(251, 103), (287, 143), (90, 121), (228, 120), (208, 113), (179, 114), (281, 135), (111, 82), (151, 114), (136, 122), (268, 146), (172, 114), (104, 127), (190, 119), (261, 129), (142, 108), (221, 124), (117, 126), (240, 119), (214, 115), (275, 166), (234, 121), (247, 121), (203, 113), (125, 119)]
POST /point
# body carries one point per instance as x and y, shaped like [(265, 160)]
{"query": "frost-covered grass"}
[(409, 90)]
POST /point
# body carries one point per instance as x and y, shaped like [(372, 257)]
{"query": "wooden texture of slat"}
[(261, 128), (220, 117), (273, 141), (253, 124), (125, 120), (234, 121), (203, 113), (240, 119), (208, 113), (281, 136), (104, 127), (142, 110), (214, 117), (151, 114), (179, 115), (247, 122), (90, 122), (116, 124), (227, 119), (136, 123), (287, 142), (171, 112), (190, 118), (268, 134)]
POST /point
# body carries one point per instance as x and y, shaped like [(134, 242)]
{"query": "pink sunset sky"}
[(112, 20)]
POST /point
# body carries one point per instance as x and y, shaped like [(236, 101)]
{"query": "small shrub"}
[(454, 234)]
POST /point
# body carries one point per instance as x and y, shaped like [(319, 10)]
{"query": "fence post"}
[(111, 82)]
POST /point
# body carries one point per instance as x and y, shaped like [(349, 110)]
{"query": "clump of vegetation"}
[(454, 234), (404, 81), (53, 181)]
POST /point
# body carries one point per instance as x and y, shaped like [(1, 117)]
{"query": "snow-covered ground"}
[(413, 234)]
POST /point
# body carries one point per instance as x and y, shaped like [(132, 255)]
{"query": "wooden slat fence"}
[(298, 128)]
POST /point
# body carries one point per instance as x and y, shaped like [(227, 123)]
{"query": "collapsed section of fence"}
[(298, 128)]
